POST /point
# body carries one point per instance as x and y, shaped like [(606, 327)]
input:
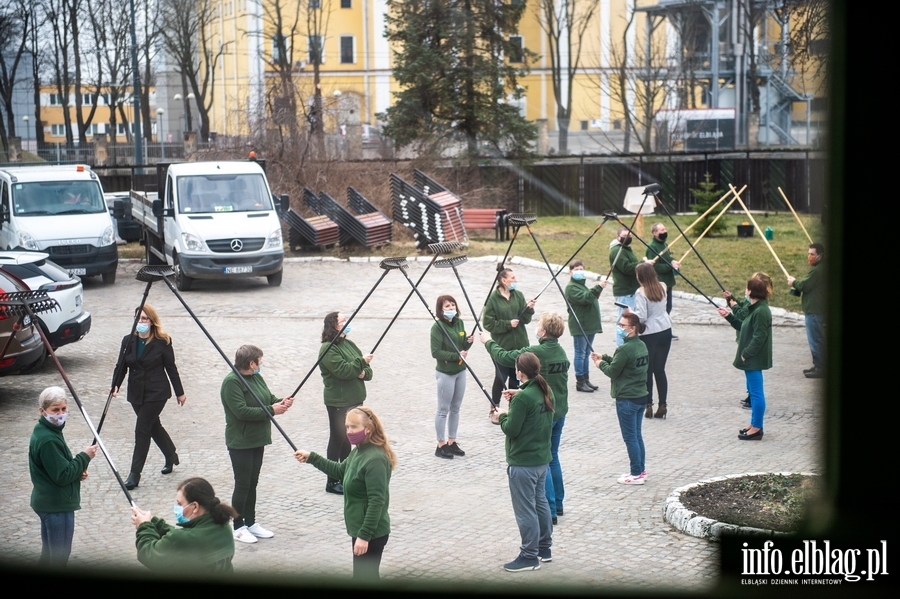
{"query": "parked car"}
[(68, 324), (25, 351)]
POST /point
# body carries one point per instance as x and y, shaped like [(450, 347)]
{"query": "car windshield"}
[(198, 194), (57, 197)]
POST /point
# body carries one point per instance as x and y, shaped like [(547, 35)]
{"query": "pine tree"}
[(454, 80), (706, 196)]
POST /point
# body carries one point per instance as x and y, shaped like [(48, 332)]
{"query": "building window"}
[(516, 50), (346, 3), (315, 3), (584, 125), (347, 49), (58, 130), (55, 100), (316, 50), (276, 48), (87, 99)]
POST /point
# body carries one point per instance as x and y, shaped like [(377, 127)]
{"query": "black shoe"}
[(555, 522), (455, 449), (581, 385), (674, 337), (815, 374), (443, 451), (757, 436), (170, 465), (808, 370), (587, 381), (132, 481), (745, 403), (559, 511), (336, 487)]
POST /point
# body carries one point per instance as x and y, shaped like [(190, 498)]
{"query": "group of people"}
[(532, 378)]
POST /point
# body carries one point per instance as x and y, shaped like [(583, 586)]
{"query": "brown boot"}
[(660, 411), (649, 412)]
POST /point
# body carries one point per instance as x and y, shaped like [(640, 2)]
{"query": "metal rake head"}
[(18, 303), (394, 264), (444, 247), (148, 274), (653, 189), (451, 262), (521, 219), (610, 215)]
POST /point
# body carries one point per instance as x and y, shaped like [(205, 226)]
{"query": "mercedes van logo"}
[(237, 245)]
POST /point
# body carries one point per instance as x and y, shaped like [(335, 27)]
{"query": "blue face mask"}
[(449, 314), (346, 330), (179, 514), (143, 328), (512, 286), (578, 275), (621, 333), (257, 369)]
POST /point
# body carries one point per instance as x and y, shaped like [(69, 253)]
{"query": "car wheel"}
[(109, 277), (182, 281), (275, 279)]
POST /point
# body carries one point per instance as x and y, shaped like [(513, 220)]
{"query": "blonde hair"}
[(156, 331), (553, 324), (377, 435)]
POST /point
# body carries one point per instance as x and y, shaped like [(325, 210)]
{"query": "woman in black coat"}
[(149, 357)]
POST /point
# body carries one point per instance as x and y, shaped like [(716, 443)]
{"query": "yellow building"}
[(53, 116)]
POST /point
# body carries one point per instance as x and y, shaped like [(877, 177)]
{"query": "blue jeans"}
[(554, 487), (583, 354), (757, 397), (57, 530), (815, 335), (631, 414), (628, 300), (529, 499)]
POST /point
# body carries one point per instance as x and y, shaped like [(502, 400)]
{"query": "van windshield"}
[(57, 197), (198, 194)]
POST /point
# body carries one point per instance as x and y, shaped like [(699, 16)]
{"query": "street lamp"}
[(27, 129), (159, 123)]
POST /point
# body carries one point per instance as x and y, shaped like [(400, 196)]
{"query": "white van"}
[(59, 210)]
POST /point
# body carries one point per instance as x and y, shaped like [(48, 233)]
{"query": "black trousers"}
[(365, 566), (338, 446), (509, 374), (246, 464), (658, 345), (149, 427)]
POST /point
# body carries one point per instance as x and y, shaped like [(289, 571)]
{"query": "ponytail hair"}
[(528, 364), (200, 491)]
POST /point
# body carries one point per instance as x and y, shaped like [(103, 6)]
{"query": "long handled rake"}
[(759, 229), (30, 303), (444, 247), (121, 363), (497, 276), (386, 268), (647, 191), (152, 273), (655, 190), (702, 216), (400, 263), (526, 220), (708, 228), (794, 212)]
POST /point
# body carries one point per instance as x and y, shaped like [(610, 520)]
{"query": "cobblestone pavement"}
[(451, 520)]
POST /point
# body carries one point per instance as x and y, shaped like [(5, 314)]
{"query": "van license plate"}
[(236, 270), (78, 271)]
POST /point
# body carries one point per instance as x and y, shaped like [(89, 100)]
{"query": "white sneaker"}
[(258, 531), (244, 535), (628, 479)]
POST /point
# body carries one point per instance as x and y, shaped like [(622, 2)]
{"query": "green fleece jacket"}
[(624, 280), (554, 368), (443, 351), (366, 475), (247, 424), (813, 296), (199, 546), (584, 301), (754, 337), (500, 311), (340, 370), (665, 272), (627, 369), (528, 426), (55, 474)]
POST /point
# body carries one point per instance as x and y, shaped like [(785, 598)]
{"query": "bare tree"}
[(111, 33), (565, 22), (15, 29)]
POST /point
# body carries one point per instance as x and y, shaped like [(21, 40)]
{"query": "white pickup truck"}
[(212, 220)]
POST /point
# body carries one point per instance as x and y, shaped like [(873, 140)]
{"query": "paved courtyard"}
[(451, 520)]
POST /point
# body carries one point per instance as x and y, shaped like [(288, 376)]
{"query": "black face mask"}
[(663, 236), (626, 242)]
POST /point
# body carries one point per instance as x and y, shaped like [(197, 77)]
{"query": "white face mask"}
[(57, 419)]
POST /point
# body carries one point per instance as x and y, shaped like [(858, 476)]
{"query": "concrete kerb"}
[(692, 523)]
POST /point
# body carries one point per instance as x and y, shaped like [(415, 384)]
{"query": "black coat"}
[(148, 381)]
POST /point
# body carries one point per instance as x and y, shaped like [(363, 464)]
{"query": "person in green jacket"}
[(739, 310), (622, 261), (627, 370), (666, 273), (345, 371), (450, 373), (814, 300), (203, 544), (528, 427), (367, 476), (505, 316), (555, 370), (247, 432), (754, 353), (56, 477), (586, 304)]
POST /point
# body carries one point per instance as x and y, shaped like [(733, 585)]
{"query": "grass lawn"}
[(732, 259)]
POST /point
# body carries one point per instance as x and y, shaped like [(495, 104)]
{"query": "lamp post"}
[(159, 124), (180, 98), (27, 129)]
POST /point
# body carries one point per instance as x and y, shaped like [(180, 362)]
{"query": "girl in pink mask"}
[(366, 473)]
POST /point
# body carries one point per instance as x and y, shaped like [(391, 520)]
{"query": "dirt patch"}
[(768, 501)]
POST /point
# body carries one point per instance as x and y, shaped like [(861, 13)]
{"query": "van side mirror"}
[(285, 202), (157, 208), (4, 213)]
